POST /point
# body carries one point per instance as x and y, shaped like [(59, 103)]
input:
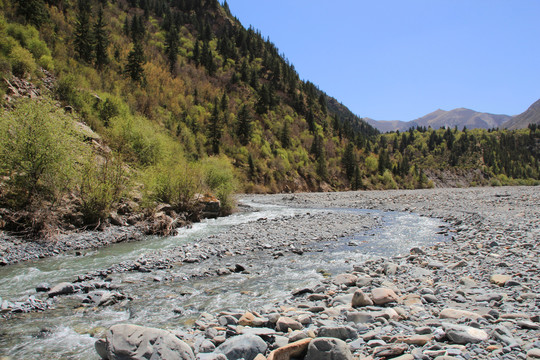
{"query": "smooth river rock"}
[(328, 349), (383, 296), (133, 342), (245, 347)]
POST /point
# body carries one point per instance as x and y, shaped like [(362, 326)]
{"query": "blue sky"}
[(399, 60)]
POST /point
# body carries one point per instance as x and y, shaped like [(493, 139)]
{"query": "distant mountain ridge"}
[(460, 117), (530, 116)]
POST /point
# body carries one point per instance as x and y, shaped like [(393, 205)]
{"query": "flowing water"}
[(66, 332)]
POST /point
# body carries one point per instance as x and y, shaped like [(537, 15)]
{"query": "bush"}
[(137, 137), (103, 183), (39, 151), (46, 62), (22, 62), (220, 178), (174, 183), (65, 89)]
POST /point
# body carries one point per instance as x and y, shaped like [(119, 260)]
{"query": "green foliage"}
[(244, 126), (174, 182), (136, 60), (33, 11), (349, 162), (21, 49), (219, 176), (237, 97), (103, 184), (137, 139), (22, 62), (39, 151), (83, 35), (101, 38)]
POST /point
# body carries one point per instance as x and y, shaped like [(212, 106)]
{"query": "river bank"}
[(474, 296)]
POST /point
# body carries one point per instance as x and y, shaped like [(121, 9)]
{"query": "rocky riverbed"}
[(473, 296)]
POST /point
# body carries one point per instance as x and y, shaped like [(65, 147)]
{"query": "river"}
[(171, 299)]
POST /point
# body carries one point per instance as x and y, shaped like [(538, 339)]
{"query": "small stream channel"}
[(66, 332)]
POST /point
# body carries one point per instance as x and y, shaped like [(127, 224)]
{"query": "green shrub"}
[(46, 62), (66, 90), (174, 183), (22, 62), (220, 178), (137, 137), (23, 34), (39, 151), (103, 183)]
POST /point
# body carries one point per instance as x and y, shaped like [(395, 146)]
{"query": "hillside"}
[(441, 119), (178, 99), (523, 120)]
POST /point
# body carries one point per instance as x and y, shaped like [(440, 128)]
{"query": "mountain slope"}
[(460, 117), (390, 125), (521, 121), (189, 99)]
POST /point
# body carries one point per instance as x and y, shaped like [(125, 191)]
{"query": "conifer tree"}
[(136, 60), (322, 169), (102, 41), (215, 130), (285, 136), (196, 53), (83, 33), (357, 179), (251, 166), (33, 11), (224, 104), (171, 47), (348, 161), (322, 102), (244, 125)]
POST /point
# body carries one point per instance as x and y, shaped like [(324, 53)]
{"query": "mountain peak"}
[(530, 116), (439, 118)]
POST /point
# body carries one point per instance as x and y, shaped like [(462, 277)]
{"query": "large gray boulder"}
[(245, 347), (328, 349), (462, 334), (63, 288), (133, 342), (340, 332)]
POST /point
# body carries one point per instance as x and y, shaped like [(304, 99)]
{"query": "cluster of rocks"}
[(18, 87), (30, 304), (475, 297), (89, 293)]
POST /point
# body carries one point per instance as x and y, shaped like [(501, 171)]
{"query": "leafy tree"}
[(39, 150), (101, 38), (83, 34), (136, 60)]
